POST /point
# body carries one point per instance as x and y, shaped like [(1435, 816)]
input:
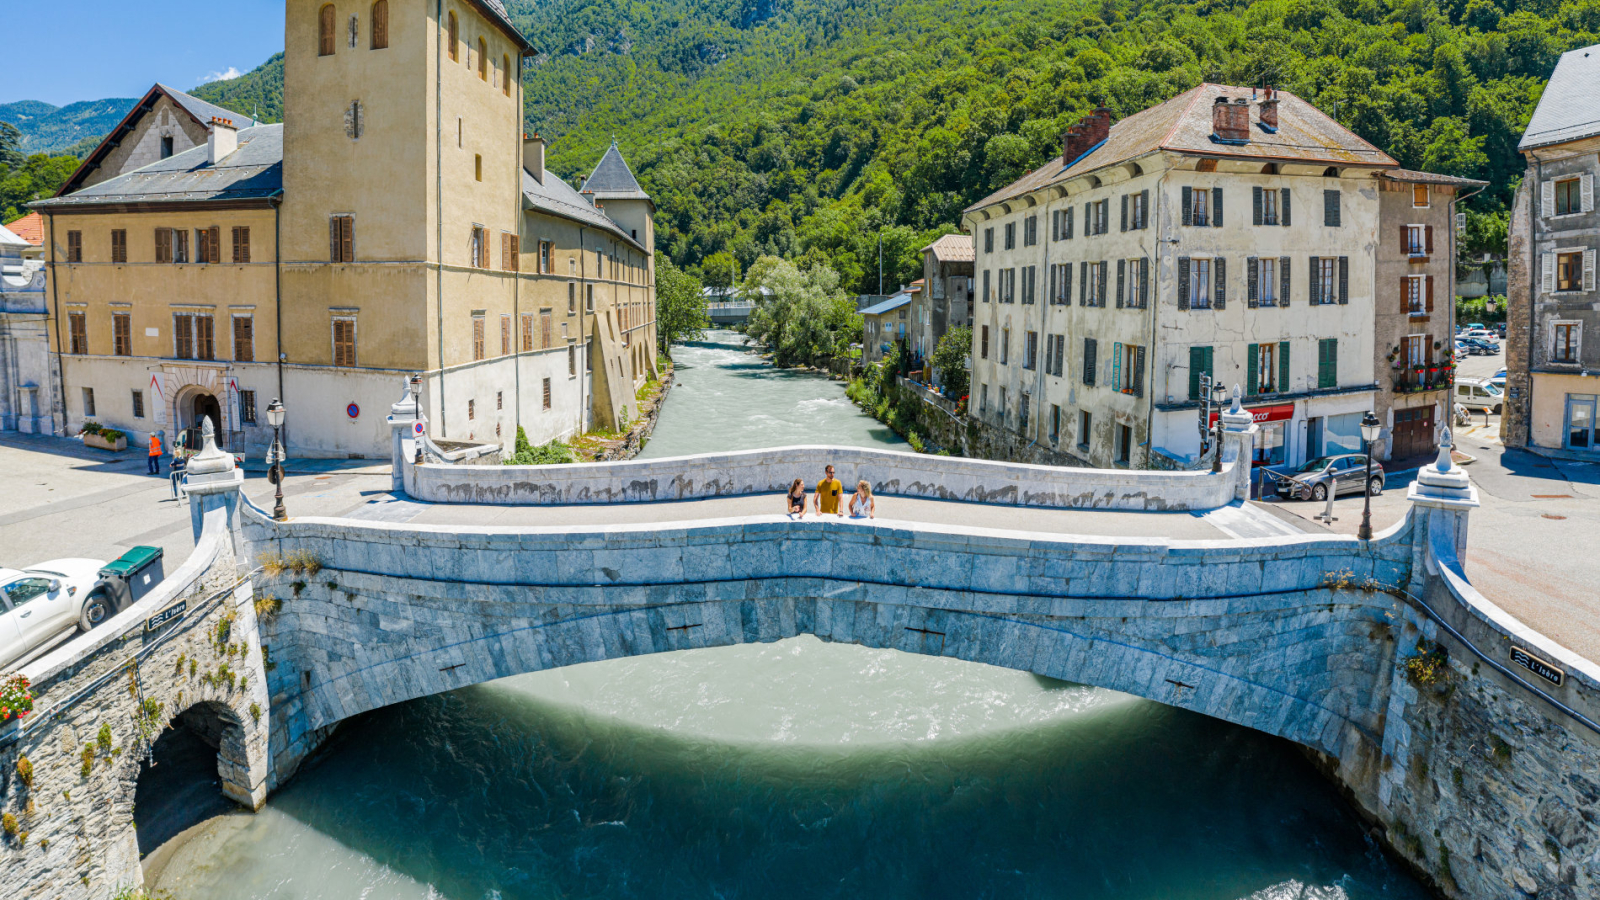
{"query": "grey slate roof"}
[(1569, 109), (558, 198), (497, 10), (612, 179), (893, 303), (202, 112), (253, 171), (1183, 124), (1412, 176)]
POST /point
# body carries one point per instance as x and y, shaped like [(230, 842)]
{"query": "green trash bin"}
[(131, 575)]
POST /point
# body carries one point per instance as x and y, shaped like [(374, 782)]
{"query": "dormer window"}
[(166, 147)]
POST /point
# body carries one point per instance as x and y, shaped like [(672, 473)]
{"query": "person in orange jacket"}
[(155, 453)]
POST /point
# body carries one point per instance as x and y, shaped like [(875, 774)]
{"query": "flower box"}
[(95, 440)]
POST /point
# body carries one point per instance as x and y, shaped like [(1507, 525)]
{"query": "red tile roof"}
[(1183, 125), (30, 228)]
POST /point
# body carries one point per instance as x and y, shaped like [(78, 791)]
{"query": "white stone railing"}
[(770, 471)]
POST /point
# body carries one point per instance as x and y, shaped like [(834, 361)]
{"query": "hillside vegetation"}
[(816, 129), (71, 130)]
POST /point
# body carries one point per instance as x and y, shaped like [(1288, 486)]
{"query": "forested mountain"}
[(73, 129), (811, 128)]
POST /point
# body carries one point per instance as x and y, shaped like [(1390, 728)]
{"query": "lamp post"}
[(275, 458), (1370, 429), (1219, 396)]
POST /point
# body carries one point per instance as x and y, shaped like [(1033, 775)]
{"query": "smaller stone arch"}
[(198, 767)]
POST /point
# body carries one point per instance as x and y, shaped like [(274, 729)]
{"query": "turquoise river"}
[(790, 770)]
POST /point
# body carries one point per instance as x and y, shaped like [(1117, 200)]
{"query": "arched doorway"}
[(202, 406), (181, 782)]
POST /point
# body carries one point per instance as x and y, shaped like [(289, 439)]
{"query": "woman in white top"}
[(861, 503)]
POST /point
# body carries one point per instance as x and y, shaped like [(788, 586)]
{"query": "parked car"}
[(38, 603), (1500, 330), (1483, 334), (1480, 347), (1471, 326), (1498, 379), (1477, 394), (1463, 348), (1347, 474)]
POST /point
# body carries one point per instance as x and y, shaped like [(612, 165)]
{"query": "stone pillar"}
[(1238, 443), (406, 424), (1441, 497), (212, 482)]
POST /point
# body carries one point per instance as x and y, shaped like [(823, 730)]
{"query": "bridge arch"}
[(195, 769)]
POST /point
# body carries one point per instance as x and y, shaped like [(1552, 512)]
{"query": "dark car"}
[(1479, 346), (1500, 329), (1347, 473)]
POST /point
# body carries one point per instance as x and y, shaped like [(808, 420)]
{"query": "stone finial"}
[(211, 460), (1444, 462), (1238, 404), (1237, 418), (406, 407)]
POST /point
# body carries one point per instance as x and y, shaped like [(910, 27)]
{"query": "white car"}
[(38, 603)]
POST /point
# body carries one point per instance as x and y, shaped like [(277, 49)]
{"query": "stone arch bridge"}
[(283, 630)]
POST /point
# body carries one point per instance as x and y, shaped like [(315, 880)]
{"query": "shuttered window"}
[(122, 334), (546, 392), (325, 31), (342, 239), (453, 38), (380, 25), (505, 335), (477, 337), (546, 325), (241, 243), (505, 76), (1199, 364), (244, 339), (483, 60), (205, 337), (183, 336), (119, 246), (527, 332), (344, 342), (74, 246), (78, 329), (510, 252), (1328, 363), (1090, 349), (1331, 211), (163, 245)]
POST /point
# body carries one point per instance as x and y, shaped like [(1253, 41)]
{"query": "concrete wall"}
[(771, 471), (142, 146)]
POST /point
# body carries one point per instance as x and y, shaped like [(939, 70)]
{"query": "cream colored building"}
[(1225, 232), (398, 222)]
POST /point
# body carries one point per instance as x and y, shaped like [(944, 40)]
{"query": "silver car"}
[(1347, 474)]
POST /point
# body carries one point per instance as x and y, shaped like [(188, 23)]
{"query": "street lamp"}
[(1219, 395), (1370, 429), (275, 458)]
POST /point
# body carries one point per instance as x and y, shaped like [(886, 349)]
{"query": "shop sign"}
[(1264, 414), (1548, 671)]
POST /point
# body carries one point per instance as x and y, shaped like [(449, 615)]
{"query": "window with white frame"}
[(1267, 281), (1199, 283), (1566, 341), (1416, 302)]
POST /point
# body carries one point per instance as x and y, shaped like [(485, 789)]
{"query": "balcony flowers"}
[(16, 698)]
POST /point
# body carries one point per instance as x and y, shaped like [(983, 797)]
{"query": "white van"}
[(1478, 394)]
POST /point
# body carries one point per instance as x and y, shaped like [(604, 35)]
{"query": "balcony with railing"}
[(1417, 379)]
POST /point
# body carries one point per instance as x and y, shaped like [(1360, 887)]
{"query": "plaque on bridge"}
[(166, 615), (1548, 671)]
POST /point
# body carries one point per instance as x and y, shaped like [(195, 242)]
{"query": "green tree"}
[(950, 360), (680, 306), (35, 178), (720, 271)]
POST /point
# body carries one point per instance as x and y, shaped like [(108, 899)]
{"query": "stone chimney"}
[(1230, 120), (1269, 109), (533, 156), (221, 139)]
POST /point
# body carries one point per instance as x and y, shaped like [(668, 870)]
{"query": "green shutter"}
[(1116, 366), (1197, 357), (1328, 363), (1283, 366), (1252, 378)]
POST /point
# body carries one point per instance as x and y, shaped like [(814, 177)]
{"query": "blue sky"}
[(60, 52)]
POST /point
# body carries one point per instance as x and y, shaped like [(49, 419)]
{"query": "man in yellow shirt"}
[(829, 492)]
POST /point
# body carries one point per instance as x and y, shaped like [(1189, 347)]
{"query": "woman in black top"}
[(797, 498)]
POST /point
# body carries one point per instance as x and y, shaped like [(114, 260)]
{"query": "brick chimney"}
[(533, 156), (1230, 121), (221, 139), (1269, 109), (1089, 132)]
